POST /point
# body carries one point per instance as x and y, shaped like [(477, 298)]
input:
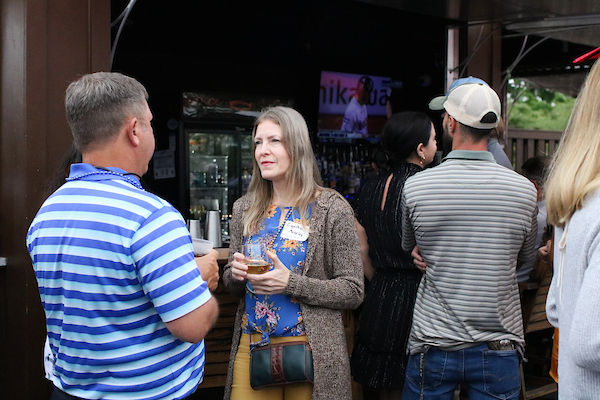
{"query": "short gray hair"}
[(97, 105)]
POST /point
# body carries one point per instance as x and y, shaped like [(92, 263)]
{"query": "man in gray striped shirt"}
[(472, 221)]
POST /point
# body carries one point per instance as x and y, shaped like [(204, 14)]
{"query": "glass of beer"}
[(255, 257)]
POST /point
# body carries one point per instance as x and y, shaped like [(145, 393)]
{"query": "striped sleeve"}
[(166, 266), (408, 235)]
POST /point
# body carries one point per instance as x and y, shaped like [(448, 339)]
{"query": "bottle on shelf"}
[(345, 166), (353, 181), (246, 178)]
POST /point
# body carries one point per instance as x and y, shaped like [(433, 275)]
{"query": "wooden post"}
[(45, 45)]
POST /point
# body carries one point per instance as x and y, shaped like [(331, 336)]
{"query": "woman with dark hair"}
[(379, 357), (62, 173)]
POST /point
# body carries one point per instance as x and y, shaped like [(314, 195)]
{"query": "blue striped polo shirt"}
[(113, 264)]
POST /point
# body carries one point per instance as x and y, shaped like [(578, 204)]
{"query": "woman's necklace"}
[(270, 245), (281, 225)]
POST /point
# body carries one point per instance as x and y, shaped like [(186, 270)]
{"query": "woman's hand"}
[(272, 282), (238, 270), (418, 259), (544, 251), (368, 268)]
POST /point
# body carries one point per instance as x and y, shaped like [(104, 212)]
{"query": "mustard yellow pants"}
[(241, 389), (554, 359)]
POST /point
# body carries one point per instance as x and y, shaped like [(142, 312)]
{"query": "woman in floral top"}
[(277, 314), (316, 269)]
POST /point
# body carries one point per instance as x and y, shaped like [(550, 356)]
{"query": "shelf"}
[(207, 156), (337, 137), (224, 187)]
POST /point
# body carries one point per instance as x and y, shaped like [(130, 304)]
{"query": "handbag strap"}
[(291, 343)]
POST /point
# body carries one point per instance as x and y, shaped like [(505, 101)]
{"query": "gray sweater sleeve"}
[(334, 273), (236, 228), (585, 325), (551, 310)]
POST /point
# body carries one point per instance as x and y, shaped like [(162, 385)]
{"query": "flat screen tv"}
[(352, 105)]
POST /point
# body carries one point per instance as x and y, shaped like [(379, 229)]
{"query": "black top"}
[(379, 356), (384, 228)]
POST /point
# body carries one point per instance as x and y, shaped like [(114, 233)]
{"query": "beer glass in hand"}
[(255, 257)]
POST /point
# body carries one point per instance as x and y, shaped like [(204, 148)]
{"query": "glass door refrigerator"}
[(216, 133), (219, 165)]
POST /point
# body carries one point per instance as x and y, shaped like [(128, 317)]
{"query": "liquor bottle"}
[(246, 177), (331, 176), (353, 181)]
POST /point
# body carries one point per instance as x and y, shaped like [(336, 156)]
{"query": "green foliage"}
[(535, 108)]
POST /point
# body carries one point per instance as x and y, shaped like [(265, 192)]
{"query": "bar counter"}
[(218, 341)]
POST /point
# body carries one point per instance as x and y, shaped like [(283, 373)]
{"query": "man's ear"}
[(132, 135), (452, 126)]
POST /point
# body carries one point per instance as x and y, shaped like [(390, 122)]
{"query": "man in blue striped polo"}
[(126, 306), (472, 220)]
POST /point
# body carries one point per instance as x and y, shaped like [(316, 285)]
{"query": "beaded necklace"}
[(281, 225), (270, 245), (105, 171)]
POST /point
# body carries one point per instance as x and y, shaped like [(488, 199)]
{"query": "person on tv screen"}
[(355, 117)]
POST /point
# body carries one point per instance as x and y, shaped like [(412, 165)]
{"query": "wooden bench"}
[(533, 303)]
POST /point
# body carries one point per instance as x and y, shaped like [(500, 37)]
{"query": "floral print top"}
[(279, 314)]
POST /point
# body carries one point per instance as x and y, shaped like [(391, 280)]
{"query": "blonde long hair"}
[(303, 178), (575, 169)]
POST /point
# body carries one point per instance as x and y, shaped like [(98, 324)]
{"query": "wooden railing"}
[(521, 145)]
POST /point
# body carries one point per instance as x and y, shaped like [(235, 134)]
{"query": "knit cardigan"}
[(332, 280), (573, 304)]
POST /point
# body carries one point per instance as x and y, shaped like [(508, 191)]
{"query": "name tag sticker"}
[(294, 231)]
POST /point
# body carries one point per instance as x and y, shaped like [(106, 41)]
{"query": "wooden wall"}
[(44, 46)]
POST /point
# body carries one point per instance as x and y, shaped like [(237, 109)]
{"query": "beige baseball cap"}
[(469, 103), (437, 103)]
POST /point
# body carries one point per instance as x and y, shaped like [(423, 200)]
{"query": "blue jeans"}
[(487, 374)]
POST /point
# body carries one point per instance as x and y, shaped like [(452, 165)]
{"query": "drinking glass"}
[(202, 247), (255, 257)]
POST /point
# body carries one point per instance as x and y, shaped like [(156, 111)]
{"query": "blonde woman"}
[(573, 204), (316, 264)]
